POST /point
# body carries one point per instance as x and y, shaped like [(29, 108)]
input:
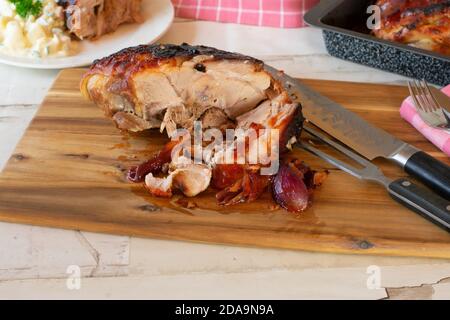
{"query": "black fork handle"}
[(423, 201), (431, 172)]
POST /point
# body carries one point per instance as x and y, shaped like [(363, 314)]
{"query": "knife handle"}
[(431, 172), (423, 201)]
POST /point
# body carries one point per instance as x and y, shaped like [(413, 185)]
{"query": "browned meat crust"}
[(131, 60), (421, 23)]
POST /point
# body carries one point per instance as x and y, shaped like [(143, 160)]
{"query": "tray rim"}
[(315, 15)]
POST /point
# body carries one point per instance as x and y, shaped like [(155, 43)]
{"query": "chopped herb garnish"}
[(27, 7)]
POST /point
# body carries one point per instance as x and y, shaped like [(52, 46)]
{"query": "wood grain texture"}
[(68, 172)]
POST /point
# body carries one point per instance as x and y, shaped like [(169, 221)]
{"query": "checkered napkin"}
[(439, 138), (270, 13)]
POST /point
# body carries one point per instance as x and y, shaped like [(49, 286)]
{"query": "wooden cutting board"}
[(68, 172)]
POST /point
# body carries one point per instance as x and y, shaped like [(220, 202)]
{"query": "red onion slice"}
[(289, 189)]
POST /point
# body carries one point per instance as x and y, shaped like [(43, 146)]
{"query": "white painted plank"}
[(442, 290), (111, 253), (308, 284), (24, 86), (34, 252), (160, 257)]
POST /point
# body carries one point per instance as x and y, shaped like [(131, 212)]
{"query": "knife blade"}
[(363, 137), (441, 98)]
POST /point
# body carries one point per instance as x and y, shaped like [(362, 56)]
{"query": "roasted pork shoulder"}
[(87, 19), (174, 87), (423, 24), (170, 86)]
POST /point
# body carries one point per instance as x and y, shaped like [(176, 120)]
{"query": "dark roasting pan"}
[(347, 37)]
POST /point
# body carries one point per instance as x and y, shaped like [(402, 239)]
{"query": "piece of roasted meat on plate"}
[(88, 19), (423, 24), (203, 90)]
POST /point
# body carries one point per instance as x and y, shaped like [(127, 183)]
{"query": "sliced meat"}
[(420, 23), (190, 179), (94, 18), (216, 118), (172, 86)]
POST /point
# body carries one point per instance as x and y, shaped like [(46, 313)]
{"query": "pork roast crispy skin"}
[(87, 19), (171, 86), (420, 23)]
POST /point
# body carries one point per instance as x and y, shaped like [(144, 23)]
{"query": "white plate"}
[(158, 15)]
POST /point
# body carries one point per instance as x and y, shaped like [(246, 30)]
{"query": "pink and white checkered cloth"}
[(270, 13), (439, 138)]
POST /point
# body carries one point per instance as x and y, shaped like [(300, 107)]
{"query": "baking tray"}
[(347, 37)]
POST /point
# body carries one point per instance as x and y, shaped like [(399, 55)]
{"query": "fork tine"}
[(340, 164), (435, 105), (339, 147), (421, 96), (417, 97), (426, 97), (427, 106), (413, 95)]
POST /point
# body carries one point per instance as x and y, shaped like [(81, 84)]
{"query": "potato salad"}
[(33, 29)]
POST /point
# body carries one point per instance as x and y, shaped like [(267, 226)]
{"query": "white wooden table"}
[(34, 260)]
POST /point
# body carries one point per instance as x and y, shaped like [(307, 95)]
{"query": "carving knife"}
[(442, 99), (363, 137)]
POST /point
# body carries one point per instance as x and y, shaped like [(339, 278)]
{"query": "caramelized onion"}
[(225, 175), (138, 173), (248, 188), (154, 165)]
